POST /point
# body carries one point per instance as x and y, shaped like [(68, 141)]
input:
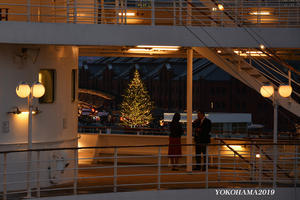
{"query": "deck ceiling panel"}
[(130, 35)]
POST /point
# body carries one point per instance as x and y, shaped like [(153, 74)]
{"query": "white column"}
[(275, 125), (189, 103), (29, 144)]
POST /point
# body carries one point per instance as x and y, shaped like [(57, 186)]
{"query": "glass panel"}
[(47, 78)]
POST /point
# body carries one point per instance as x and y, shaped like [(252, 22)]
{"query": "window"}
[(239, 127), (73, 84), (47, 78), (217, 128), (3, 14)]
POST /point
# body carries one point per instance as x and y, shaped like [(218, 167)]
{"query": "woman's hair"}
[(176, 117)]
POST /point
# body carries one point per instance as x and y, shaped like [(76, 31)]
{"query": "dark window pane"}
[(74, 75)]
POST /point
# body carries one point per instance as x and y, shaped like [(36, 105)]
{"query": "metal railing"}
[(255, 13), (129, 168), (164, 131)]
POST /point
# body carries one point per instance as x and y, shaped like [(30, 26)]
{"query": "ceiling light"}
[(249, 53), (260, 13), (157, 46), (262, 46), (139, 49), (164, 49), (127, 14), (221, 7)]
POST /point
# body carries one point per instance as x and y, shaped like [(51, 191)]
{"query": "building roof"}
[(151, 67)]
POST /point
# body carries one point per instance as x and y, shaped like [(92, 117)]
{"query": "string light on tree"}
[(137, 105)]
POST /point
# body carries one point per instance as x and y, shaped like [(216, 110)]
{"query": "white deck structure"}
[(47, 34)]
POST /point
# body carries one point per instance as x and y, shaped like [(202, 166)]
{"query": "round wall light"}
[(23, 90), (285, 90), (267, 90)]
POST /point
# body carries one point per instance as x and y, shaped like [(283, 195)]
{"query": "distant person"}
[(176, 132), (202, 128)]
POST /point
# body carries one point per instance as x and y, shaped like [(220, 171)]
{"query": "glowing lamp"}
[(161, 122), (267, 90), (38, 90), (285, 90), (221, 7), (23, 90)]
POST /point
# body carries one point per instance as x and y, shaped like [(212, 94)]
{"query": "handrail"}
[(166, 130), (109, 169), (174, 13), (240, 156), (269, 158), (137, 146)]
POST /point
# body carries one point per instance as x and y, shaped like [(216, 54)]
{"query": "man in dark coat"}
[(202, 128)]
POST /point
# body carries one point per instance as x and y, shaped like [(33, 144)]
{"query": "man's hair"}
[(201, 111)]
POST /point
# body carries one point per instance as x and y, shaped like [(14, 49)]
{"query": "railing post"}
[(206, 166), (125, 10), (234, 165), (152, 12), (251, 161), (95, 11), (260, 166), (174, 13), (115, 168), (236, 11), (122, 11), (158, 167), (296, 167), (38, 188), (189, 13), (180, 12), (75, 11), (28, 174), (28, 10), (117, 11), (274, 165), (75, 171), (242, 12), (4, 176), (102, 12), (219, 161), (68, 11)]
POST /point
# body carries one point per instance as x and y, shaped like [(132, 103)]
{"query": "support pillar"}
[(189, 106)]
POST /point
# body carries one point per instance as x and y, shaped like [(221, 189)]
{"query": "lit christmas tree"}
[(137, 105)]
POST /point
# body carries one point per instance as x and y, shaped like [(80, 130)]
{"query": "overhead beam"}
[(115, 35)]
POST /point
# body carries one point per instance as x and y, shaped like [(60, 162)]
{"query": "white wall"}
[(48, 128), (47, 125)]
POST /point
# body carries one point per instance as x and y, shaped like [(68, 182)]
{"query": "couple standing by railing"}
[(202, 128)]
